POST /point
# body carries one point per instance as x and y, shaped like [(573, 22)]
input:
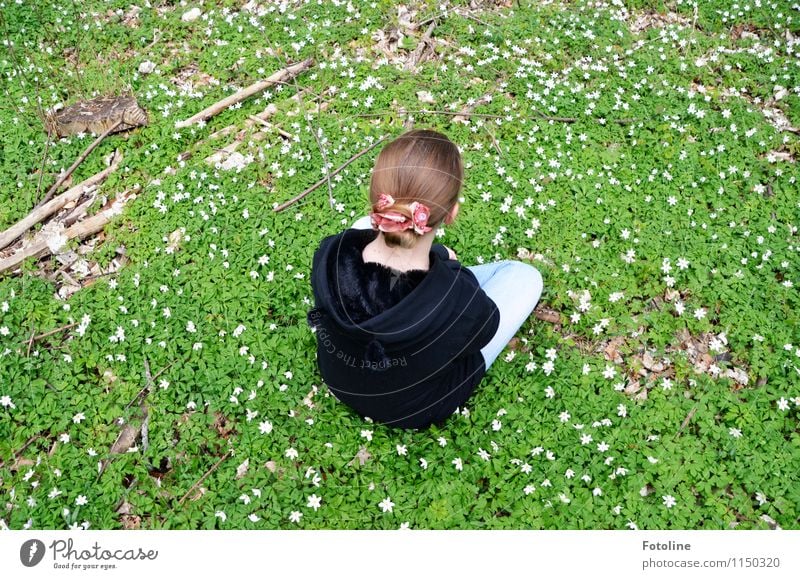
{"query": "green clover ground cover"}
[(641, 155)]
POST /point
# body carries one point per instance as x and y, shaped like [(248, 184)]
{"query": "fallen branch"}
[(297, 198), (262, 116), (79, 211), (80, 230), (64, 267), (52, 206), (423, 45), (686, 420), (57, 330), (202, 478), (623, 121), (245, 93), (63, 177)]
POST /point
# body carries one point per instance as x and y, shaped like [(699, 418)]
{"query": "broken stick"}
[(205, 476), (80, 230), (297, 198), (218, 107), (44, 211), (423, 45)]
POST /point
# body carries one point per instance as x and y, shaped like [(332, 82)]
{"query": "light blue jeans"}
[(515, 288)]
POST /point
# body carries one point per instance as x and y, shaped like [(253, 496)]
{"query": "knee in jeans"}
[(529, 273), (531, 280)]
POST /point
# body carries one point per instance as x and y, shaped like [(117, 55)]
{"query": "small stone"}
[(425, 97), (147, 67), (191, 15)]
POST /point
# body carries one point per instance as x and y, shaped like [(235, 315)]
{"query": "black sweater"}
[(400, 348)]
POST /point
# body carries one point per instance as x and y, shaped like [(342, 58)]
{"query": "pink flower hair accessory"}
[(420, 214), (390, 221), (384, 201)]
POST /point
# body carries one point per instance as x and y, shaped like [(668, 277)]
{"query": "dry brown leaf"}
[(125, 508), (131, 522), (611, 351)]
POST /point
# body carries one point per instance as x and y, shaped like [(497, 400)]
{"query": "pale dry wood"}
[(255, 88), (262, 116), (80, 230), (686, 420), (79, 211), (224, 152), (56, 204), (135, 426), (128, 435), (271, 127)]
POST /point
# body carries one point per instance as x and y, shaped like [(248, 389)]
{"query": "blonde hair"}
[(420, 165)]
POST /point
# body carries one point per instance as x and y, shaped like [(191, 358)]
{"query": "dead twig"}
[(51, 332), (133, 427), (150, 382), (427, 112), (206, 475), (297, 198), (494, 141), (218, 107), (64, 267), (63, 177), (30, 342), (19, 452), (270, 126), (314, 132), (44, 160), (547, 316), (423, 45), (686, 420), (167, 367)]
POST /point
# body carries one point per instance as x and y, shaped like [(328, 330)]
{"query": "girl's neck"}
[(400, 258)]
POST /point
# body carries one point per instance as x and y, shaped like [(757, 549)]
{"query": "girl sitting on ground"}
[(404, 331)]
